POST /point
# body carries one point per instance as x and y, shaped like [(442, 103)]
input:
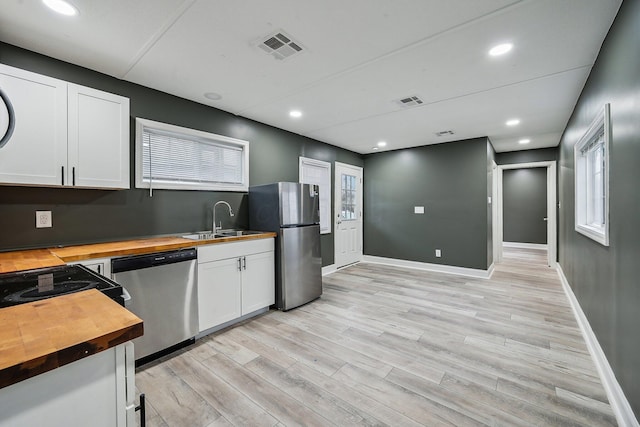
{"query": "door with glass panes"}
[(348, 214)]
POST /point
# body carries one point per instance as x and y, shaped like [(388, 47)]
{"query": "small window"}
[(348, 195), (176, 158), (317, 172), (592, 180)]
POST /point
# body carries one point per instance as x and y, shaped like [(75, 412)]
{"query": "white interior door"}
[(348, 214)]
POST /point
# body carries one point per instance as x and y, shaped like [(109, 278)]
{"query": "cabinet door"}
[(258, 282), (219, 292), (98, 149), (37, 151), (87, 392)]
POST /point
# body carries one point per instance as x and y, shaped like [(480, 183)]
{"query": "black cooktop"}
[(33, 285)]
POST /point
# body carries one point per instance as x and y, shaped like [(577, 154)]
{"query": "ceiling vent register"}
[(444, 133), (410, 101), (280, 46)]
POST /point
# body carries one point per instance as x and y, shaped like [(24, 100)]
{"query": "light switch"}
[(418, 209), (489, 199)]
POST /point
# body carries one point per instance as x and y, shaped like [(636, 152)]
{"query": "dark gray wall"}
[(605, 279), (527, 156), (82, 216), (524, 205), (450, 180)]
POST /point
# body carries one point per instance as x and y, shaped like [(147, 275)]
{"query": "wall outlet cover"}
[(418, 209), (43, 219), (438, 253)]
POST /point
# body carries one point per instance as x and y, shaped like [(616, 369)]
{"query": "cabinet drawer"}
[(217, 251)]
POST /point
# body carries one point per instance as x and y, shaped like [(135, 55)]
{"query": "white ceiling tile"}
[(106, 35), (359, 56)]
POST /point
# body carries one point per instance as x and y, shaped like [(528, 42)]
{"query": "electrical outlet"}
[(418, 209), (438, 253), (43, 219)]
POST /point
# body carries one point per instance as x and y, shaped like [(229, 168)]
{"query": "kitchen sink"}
[(234, 233), (202, 235), (209, 235)]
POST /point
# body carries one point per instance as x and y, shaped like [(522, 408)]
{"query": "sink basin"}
[(202, 235), (209, 235), (234, 233)]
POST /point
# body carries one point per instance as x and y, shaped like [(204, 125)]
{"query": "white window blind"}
[(317, 172), (171, 157)]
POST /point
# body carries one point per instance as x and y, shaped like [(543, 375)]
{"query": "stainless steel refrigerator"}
[(292, 210)]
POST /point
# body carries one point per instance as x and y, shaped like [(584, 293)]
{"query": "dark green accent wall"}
[(605, 280), (82, 216), (450, 181), (527, 156), (524, 204)]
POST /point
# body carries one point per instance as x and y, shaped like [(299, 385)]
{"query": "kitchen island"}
[(62, 362)]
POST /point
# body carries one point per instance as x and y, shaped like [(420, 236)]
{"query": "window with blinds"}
[(591, 155), (173, 157)]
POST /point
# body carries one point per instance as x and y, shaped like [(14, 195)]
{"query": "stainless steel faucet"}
[(221, 202)]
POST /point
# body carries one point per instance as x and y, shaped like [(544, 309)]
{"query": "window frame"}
[(584, 151), (193, 134)]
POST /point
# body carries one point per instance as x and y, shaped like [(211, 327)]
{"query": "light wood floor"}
[(393, 346)]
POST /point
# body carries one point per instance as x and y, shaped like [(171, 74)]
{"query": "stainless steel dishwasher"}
[(163, 293)]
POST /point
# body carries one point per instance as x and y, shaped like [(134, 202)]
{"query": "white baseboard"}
[(461, 271), (524, 245), (328, 269), (618, 401)]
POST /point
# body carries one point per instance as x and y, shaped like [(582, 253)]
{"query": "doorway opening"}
[(551, 212)]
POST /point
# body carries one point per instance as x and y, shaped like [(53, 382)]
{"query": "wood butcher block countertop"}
[(28, 260), (38, 258), (43, 335)]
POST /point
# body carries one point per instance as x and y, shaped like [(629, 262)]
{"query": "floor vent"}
[(410, 101), (444, 133), (280, 45)]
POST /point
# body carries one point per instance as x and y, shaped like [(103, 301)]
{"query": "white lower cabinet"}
[(234, 279), (97, 391)]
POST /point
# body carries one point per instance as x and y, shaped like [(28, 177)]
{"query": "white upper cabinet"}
[(37, 151), (98, 150), (65, 134)]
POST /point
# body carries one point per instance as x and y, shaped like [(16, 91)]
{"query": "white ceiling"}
[(359, 57)]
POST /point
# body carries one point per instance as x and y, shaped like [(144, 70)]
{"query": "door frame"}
[(498, 229), (336, 194)]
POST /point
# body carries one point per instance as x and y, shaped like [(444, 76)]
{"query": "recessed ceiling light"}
[(513, 122), (213, 96), (524, 141), (500, 49), (295, 113), (61, 6), (382, 144)]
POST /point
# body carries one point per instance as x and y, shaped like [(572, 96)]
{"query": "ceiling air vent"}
[(280, 45), (410, 101), (444, 133)]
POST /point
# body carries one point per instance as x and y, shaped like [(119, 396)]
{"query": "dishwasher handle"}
[(138, 262)]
